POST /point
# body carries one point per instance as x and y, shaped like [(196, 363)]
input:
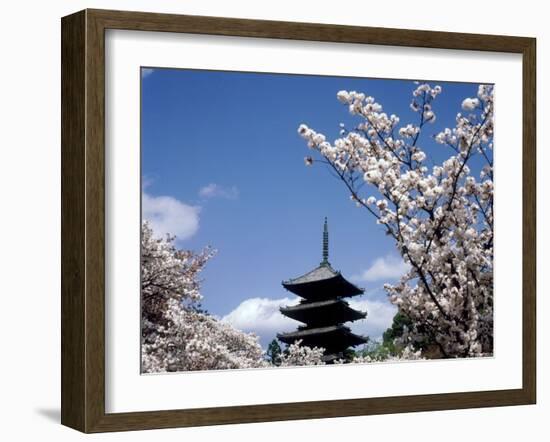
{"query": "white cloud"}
[(214, 190), (379, 317), (262, 316), (169, 215), (389, 267), (145, 72)]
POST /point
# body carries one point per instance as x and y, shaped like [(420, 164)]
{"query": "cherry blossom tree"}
[(297, 354), (440, 217), (176, 334)]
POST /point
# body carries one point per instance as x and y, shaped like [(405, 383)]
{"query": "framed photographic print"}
[(267, 221)]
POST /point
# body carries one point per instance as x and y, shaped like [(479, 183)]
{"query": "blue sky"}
[(223, 165)]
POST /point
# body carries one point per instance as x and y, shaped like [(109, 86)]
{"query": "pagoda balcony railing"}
[(305, 301), (312, 327)]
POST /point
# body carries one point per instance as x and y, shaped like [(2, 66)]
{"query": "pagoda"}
[(323, 309)]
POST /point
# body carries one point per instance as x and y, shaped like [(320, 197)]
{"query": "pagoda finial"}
[(325, 244)]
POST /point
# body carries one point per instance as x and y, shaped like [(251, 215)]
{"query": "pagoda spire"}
[(325, 262)]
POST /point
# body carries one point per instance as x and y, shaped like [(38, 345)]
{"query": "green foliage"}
[(349, 354), (381, 350), (428, 345), (273, 352), (394, 332), (375, 350)]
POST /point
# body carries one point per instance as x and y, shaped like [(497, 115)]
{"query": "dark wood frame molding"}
[(83, 216)]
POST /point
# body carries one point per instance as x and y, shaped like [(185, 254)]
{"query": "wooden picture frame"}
[(83, 220)]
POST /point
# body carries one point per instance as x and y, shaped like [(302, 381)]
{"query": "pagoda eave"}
[(336, 286), (330, 338), (323, 312)]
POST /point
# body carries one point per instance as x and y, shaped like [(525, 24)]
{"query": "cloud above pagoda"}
[(387, 268), (214, 190), (167, 214), (145, 72), (262, 316), (379, 317)]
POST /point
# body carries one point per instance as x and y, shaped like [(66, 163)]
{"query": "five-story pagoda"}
[(323, 309)]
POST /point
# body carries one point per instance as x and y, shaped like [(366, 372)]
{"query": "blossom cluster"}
[(197, 341), (407, 354), (297, 354), (440, 216)]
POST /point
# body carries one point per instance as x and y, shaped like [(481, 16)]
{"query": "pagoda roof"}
[(313, 283), (329, 311), (331, 337), (323, 272)]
